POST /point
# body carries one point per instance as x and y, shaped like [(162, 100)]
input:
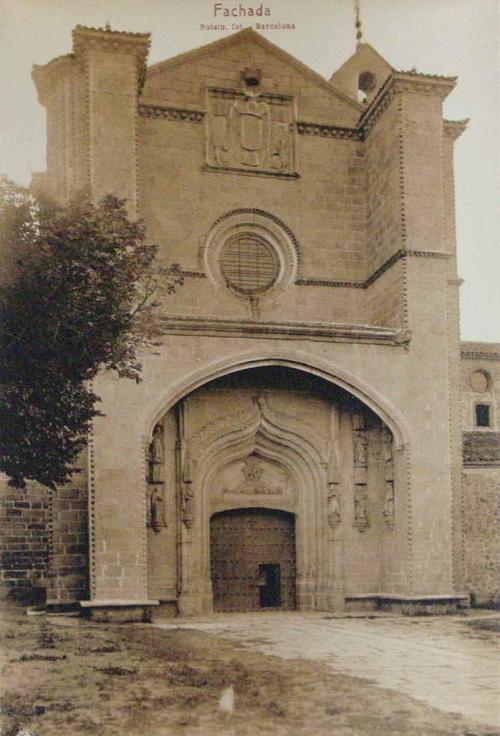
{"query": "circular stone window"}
[(480, 381), (251, 253), (248, 264)]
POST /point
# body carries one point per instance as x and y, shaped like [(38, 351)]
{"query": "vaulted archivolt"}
[(281, 440), (273, 438)]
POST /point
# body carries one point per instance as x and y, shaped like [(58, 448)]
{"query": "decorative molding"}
[(330, 283), (193, 274), (306, 281), (409, 83), (105, 39), (253, 483), (477, 354), (252, 172), (329, 131), (384, 267), (403, 82), (429, 254), (317, 331), (170, 113), (454, 128)]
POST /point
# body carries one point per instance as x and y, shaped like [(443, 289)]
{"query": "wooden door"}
[(253, 560)]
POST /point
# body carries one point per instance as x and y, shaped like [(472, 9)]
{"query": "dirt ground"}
[(64, 675)]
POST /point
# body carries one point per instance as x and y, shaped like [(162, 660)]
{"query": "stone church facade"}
[(311, 433)]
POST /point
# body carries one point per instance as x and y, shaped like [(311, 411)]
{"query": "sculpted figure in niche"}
[(155, 508), (361, 520), (333, 506), (388, 460), (360, 450), (188, 505), (334, 478), (155, 516)]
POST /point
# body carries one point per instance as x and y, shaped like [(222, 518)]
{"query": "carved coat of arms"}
[(249, 131)]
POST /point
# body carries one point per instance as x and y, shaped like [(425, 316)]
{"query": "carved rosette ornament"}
[(388, 461), (253, 483), (360, 439), (155, 501)]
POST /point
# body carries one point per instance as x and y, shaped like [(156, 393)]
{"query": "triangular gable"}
[(249, 35)]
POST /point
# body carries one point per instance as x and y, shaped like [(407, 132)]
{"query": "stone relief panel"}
[(250, 131), (259, 478), (255, 477)]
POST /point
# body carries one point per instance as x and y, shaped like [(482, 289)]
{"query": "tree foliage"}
[(82, 299)]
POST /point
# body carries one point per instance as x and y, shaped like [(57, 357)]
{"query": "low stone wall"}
[(44, 542), (24, 542), (481, 489)]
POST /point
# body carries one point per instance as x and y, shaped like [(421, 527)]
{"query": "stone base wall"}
[(44, 543), (24, 542), (481, 491), (69, 564)]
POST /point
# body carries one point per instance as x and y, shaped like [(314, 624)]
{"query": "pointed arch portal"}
[(273, 484)]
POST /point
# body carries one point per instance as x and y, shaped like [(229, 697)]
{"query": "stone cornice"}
[(398, 83), (478, 354), (432, 85), (330, 283), (329, 131), (103, 39), (454, 128), (377, 273), (316, 331), (170, 113)]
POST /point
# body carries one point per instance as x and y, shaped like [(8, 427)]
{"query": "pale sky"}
[(452, 37)]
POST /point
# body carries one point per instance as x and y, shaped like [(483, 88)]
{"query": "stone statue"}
[(387, 457), (156, 508), (361, 520), (360, 450), (334, 517), (188, 509)]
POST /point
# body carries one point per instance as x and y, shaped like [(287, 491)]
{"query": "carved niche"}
[(253, 482), (333, 499), (187, 493), (155, 500), (388, 461), (250, 131), (360, 440)]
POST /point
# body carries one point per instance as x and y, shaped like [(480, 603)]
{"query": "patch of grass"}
[(112, 680)]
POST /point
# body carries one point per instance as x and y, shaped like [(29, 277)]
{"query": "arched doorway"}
[(257, 449), (252, 559)]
